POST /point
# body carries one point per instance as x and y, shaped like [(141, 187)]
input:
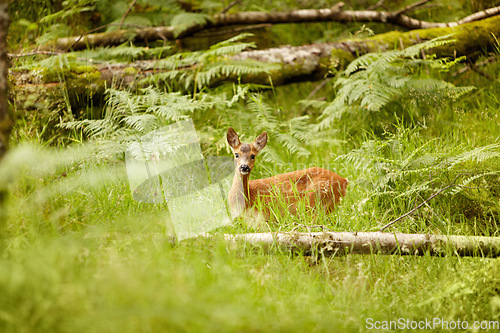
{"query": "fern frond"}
[(183, 21), (227, 49), (374, 80), (466, 182), (477, 155)]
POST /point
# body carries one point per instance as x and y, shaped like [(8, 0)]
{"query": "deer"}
[(316, 186)]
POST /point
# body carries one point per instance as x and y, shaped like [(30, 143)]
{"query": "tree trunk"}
[(5, 120), (341, 243)]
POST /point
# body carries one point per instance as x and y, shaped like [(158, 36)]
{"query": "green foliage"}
[(129, 116), (371, 82), (82, 256), (291, 140), (184, 21), (192, 71), (404, 166), (70, 9)]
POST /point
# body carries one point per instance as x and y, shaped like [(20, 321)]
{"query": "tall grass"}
[(81, 255)]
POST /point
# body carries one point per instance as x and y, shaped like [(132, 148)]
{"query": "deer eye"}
[(236, 155), (252, 157)]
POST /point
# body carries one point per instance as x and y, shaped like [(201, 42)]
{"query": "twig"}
[(480, 72), (318, 87), (51, 53), (20, 55), (235, 30), (127, 12), (380, 3), (231, 5), (102, 27), (423, 203), (480, 15), (480, 64), (421, 50), (335, 13), (410, 7)]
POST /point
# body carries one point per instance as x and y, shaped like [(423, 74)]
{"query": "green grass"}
[(80, 255), (135, 283)]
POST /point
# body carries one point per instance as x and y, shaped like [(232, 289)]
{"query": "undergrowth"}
[(80, 254)]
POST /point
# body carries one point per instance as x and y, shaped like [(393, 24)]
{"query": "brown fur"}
[(316, 186)]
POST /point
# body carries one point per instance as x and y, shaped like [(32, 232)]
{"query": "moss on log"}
[(57, 93)]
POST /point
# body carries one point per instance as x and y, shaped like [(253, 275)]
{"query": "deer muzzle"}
[(244, 169)]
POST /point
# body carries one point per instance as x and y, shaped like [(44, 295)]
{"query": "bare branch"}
[(480, 72), (292, 64), (379, 4), (21, 55), (309, 227), (480, 15), (432, 197), (231, 5), (490, 59), (127, 12), (410, 7), (423, 203), (318, 88)]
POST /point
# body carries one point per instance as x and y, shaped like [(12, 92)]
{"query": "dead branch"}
[(341, 243), (485, 62), (336, 13), (423, 203), (452, 184), (127, 12), (410, 7), (231, 5), (380, 3), (21, 55)]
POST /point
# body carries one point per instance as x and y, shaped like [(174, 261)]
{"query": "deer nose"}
[(245, 168)]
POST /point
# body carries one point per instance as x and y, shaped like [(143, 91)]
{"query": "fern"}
[(70, 9), (183, 21), (404, 166), (128, 116), (196, 70), (477, 155), (372, 81), (291, 141)]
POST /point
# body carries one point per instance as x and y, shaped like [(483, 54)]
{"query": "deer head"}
[(244, 153)]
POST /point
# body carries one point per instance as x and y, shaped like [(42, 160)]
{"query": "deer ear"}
[(232, 138), (261, 141)]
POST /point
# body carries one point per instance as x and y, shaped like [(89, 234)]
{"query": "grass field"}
[(83, 256), (79, 254)]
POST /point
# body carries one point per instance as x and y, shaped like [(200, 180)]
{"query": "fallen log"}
[(341, 243), (335, 14), (57, 94), (294, 63)]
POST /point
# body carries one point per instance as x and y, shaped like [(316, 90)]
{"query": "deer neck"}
[(239, 194)]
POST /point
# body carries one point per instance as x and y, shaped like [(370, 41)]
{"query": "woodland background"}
[(403, 113)]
